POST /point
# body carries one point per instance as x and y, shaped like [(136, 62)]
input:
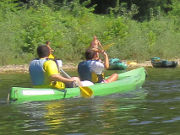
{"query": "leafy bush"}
[(71, 27)]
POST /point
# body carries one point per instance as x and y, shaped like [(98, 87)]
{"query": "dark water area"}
[(153, 109)]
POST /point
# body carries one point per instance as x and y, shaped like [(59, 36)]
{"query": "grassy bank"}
[(71, 28)]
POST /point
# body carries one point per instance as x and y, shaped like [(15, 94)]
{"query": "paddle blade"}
[(106, 47), (86, 92)]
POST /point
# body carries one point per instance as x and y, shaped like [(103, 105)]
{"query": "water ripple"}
[(142, 123), (172, 120)]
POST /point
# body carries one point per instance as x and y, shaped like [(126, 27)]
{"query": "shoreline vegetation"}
[(129, 30), (68, 66)]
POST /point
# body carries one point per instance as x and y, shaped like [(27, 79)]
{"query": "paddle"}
[(106, 47), (86, 92)]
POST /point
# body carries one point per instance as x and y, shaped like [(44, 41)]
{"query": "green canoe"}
[(127, 81)]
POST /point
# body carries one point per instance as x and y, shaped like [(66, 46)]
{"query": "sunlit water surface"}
[(151, 110)]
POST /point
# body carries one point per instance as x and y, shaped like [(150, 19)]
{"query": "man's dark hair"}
[(89, 54), (43, 51)]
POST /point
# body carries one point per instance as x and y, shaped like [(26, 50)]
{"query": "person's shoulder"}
[(49, 61), (96, 63), (49, 64), (82, 62), (34, 60)]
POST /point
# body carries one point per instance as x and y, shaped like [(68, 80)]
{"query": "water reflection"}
[(154, 109), (55, 114)]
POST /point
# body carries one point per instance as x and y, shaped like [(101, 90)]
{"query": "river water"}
[(152, 110)]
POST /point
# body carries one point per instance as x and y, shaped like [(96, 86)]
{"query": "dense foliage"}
[(138, 30)]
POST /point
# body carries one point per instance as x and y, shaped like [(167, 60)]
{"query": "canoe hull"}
[(127, 81), (165, 64), (158, 63)]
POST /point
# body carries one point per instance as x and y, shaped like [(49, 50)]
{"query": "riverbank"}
[(68, 66), (24, 68)]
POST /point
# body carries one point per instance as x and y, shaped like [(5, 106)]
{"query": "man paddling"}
[(44, 72)]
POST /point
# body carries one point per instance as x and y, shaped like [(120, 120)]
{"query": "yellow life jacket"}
[(57, 85), (97, 78), (40, 78), (54, 84)]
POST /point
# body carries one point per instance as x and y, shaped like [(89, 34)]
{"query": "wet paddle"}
[(86, 92)]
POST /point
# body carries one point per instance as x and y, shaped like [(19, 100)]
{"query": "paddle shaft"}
[(65, 74), (86, 91)]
